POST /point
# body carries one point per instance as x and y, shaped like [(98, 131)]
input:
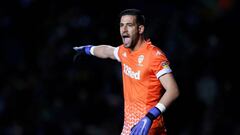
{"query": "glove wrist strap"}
[(92, 50), (87, 49), (150, 116), (161, 107)]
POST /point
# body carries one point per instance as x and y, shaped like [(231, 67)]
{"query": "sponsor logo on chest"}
[(129, 72)]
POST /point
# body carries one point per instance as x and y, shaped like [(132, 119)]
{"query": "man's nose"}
[(125, 28)]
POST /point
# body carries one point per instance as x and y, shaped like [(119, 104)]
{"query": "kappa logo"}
[(158, 53), (129, 72)]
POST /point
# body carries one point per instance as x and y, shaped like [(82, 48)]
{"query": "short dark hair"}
[(135, 12)]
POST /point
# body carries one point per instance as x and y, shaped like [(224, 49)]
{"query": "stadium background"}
[(43, 92)]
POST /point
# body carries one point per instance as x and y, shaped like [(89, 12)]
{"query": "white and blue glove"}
[(143, 126), (81, 51)]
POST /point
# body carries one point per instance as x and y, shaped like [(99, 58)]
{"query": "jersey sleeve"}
[(116, 54), (160, 63)]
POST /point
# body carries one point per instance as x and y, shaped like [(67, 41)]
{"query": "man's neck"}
[(139, 44)]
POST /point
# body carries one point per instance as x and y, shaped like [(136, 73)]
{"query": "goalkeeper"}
[(148, 83)]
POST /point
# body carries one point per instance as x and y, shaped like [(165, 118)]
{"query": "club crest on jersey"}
[(140, 60)]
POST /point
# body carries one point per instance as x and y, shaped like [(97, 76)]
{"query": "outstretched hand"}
[(81, 51)]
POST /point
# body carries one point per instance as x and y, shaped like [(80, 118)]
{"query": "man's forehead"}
[(128, 18)]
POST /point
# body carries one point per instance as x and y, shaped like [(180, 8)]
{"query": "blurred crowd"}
[(43, 92)]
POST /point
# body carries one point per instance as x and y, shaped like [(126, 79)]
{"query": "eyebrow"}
[(126, 23)]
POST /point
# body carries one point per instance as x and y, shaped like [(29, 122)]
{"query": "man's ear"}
[(141, 29)]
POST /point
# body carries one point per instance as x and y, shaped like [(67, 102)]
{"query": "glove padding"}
[(143, 126), (81, 51)]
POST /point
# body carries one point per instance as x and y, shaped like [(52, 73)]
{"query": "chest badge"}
[(140, 60)]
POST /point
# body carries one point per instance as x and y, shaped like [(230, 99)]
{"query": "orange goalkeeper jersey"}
[(141, 70)]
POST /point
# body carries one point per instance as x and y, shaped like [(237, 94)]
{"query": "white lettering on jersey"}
[(128, 71)]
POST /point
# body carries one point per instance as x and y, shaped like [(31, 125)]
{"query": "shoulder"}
[(155, 51), (121, 47), (119, 50)]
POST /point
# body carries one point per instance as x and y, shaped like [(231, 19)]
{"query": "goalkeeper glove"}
[(82, 50), (143, 126)]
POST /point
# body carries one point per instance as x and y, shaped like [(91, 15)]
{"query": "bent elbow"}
[(176, 93)]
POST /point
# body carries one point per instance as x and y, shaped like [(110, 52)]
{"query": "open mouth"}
[(126, 39)]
